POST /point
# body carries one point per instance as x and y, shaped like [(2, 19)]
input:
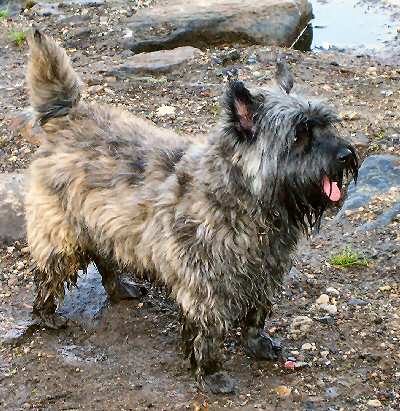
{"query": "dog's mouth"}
[(332, 188)]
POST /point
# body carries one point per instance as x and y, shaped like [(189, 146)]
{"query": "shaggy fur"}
[(215, 222)]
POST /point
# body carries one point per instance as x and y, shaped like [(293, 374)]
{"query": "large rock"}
[(13, 7), (12, 215), (204, 23), (155, 62), (377, 190)]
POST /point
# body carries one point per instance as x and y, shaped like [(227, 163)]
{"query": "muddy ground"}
[(131, 360)]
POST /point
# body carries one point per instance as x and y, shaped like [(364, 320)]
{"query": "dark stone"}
[(357, 301), (156, 62), (377, 176), (326, 319), (208, 22), (227, 57)]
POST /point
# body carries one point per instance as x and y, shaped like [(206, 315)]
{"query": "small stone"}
[(20, 266), (25, 250), (329, 308), (300, 326), (322, 299), (374, 404), (324, 354), (350, 115), (301, 364), (290, 365), (332, 291), (356, 301), (165, 111), (385, 288), (307, 347), (283, 391)]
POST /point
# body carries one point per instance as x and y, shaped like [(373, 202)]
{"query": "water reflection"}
[(348, 24)]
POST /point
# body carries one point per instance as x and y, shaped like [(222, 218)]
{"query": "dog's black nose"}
[(344, 154)]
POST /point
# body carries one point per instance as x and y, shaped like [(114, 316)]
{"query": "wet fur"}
[(216, 222)]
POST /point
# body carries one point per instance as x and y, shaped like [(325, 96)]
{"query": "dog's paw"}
[(263, 347), (126, 289), (53, 321), (218, 383)]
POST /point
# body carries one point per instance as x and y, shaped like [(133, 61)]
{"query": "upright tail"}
[(53, 85)]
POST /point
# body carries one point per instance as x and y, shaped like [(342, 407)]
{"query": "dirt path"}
[(131, 359)]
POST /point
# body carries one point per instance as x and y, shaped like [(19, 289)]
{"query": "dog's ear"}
[(241, 107), (283, 75)]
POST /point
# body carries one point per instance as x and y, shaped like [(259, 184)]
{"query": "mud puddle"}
[(350, 25)]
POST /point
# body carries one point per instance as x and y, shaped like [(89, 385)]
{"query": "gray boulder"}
[(204, 23), (12, 215), (155, 62), (379, 176)]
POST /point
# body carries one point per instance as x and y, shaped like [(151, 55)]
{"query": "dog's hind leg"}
[(117, 286), (55, 250), (257, 342)]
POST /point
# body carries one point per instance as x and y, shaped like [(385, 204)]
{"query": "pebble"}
[(283, 391), (332, 291), (371, 70), (166, 111), (356, 301), (324, 354), (307, 347), (374, 403), (20, 266), (329, 308), (322, 299), (300, 326), (290, 365), (301, 364)]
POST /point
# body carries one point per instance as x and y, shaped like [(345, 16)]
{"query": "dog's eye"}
[(303, 133)]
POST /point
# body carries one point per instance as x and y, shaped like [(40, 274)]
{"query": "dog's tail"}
[(53, 85)]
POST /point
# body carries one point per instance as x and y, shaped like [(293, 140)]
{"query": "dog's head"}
[(288, 148)]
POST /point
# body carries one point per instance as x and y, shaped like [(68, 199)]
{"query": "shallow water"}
[(350, 24)]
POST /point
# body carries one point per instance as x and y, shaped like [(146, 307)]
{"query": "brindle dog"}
[(216, 221)]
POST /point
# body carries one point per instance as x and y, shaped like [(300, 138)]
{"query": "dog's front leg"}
[(256, 341), (203, 346)]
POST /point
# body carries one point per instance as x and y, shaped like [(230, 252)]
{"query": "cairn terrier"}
[(216, 222)]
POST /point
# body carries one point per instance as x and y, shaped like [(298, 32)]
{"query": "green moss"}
[(18, 37), (4, 14), (349, 258)]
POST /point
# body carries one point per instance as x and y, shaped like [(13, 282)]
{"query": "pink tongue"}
[(331, 189)]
